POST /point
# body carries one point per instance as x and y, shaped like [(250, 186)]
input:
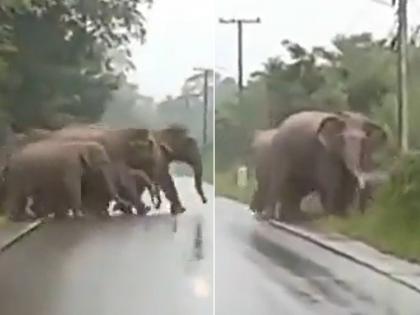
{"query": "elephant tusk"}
[(361, 180)]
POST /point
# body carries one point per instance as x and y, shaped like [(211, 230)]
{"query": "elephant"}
[(179, 147), (143, 181), (318, 151), (170, 144), (260, 148), (131, 148), (132, 180), (374, 180), (51, 172)]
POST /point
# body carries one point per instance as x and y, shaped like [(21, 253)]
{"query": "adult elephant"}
[(127, 148), (260, 147), (180, 147), (322, 152), (52, 173)]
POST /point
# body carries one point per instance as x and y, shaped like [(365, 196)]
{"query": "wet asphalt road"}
[(123, 265), (262, 270)]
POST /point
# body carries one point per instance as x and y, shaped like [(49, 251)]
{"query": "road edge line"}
[(24, 232), (313, 240)]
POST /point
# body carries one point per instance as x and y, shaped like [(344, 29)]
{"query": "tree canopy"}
[(57, 57)]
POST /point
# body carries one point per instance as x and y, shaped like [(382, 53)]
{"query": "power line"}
[(239, 23)]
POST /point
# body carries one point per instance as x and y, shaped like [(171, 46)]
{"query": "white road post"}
[(242, 177)]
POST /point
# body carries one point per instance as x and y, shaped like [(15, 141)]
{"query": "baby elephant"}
[(143, 182), (52, 172)]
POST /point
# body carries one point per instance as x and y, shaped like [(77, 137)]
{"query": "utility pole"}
[(205, 72), (403, 131), (239, 23)]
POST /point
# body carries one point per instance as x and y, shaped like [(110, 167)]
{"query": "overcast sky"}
[(180, 37), (181, 34)]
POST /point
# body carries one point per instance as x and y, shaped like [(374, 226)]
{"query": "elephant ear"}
[(167, 150), (143, 147), (94, 156), (190, 142), (376, 135), (329, 132)]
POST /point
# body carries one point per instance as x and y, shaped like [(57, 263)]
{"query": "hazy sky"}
[(309, 22), (181, 34), (180, 37)]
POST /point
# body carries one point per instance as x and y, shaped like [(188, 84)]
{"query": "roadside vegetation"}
[(359, 74), (392, 223)]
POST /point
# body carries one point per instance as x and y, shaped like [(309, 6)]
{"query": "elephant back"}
[(116, 141), (307, 122), (261, 143), (34, 158)]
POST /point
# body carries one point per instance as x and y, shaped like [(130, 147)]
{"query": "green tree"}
[(62, 61)]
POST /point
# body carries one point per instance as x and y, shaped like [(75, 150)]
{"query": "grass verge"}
[(393, 223), (226, 186)]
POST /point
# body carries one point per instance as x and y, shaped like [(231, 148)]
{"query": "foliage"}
[(188, 108), (226, 186), (60, 56), (358, 73), (393, 222)]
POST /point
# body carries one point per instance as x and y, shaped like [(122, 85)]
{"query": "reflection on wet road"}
[(124, 265), (254, 275)]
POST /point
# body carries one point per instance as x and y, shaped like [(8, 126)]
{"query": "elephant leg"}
[(290, 208), (330, 200), (257, 201), (171, 193), (154, 192), (108, 184), (254, 205), (15, 205), (140, 191), (73, 191), (101, 209), (364, 196), (38, 207), (96, 204), (129, 192), (276, 183), (61, 212)]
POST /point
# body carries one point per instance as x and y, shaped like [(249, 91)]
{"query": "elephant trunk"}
[(198, 178)]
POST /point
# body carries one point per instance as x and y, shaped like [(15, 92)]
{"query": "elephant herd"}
[(314, 152), (84, 167)]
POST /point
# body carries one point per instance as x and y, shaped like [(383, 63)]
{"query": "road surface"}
[(262, 270), (124, 265)]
